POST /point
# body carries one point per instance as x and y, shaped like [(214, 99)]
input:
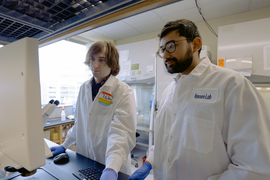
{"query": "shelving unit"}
[(143, 128), (57, 127), (144, 95), (143, 139)]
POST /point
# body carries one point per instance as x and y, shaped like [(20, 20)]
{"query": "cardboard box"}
[(54, 136), (47, 134)]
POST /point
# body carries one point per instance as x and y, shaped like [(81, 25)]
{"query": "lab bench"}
[(56, 130), (52, 171)]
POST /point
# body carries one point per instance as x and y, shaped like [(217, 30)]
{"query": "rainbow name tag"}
[(105, 98)]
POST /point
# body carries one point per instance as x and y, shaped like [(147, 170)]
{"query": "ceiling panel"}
[(155, 19), (257, 4), (43, 19), (114, 26), (175, 7), (125, 32), (109, 35), (191, 14), (149, 26), (224, 8), (146, 16), (204, 2), (96, 36)]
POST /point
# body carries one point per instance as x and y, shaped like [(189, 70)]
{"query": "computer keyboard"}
[(90, 173)]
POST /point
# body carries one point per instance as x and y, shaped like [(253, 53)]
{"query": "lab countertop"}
[(52, 171), (57, 121)]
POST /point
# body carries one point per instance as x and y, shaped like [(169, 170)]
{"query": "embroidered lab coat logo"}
[(204, 95), (105, 98)]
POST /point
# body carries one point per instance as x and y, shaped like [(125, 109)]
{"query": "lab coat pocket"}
[(199, 134), (103, 124)]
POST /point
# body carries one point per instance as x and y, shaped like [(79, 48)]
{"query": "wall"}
[(207, 37), (210, 40), (266, 97), (246, 40), (264, 90), (142, 52)]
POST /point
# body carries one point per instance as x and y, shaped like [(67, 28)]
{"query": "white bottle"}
[(63, 114)]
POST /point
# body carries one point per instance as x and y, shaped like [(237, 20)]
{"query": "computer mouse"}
[(61, 158)]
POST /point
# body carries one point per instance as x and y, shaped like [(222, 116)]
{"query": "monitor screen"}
[(21, 130)]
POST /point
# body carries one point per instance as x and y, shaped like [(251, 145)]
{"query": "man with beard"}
[(212, 123)]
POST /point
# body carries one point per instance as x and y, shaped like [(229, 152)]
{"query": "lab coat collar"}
[(201, 67), (177, 77), (88, 84), (109, 82), (198, 70)]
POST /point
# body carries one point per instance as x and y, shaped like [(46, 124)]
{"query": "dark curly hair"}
[(185, 28)]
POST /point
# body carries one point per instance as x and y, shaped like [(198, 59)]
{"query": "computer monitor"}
[(21, 129)]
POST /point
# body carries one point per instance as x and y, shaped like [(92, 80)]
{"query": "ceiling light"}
[(259, 88), (99, 1)]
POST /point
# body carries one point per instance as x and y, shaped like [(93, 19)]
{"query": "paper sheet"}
[(135, 66), (266, 57), (123, 55), (149, 68), (125, 67)]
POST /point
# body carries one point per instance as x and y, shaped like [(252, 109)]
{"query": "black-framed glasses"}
[(170, 48)]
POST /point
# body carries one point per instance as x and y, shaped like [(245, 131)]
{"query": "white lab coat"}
[(211, 124), (105, 133)]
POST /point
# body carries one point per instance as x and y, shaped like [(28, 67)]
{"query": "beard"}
[(180, 65)]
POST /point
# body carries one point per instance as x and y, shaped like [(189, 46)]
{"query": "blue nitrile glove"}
[(142, 172), (57, 149), (108, 174)]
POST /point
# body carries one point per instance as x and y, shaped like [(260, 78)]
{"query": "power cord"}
[(207, 24)]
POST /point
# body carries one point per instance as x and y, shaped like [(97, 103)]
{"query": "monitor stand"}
[(6, 161)]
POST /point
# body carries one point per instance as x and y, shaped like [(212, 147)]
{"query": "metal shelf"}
[(142, 144)]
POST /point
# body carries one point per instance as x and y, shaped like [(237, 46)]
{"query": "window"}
[(62, 71)]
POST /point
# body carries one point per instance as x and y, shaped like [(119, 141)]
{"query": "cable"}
[(207, 24)]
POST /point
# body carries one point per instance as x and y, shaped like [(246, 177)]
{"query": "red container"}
[(143, 159)]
